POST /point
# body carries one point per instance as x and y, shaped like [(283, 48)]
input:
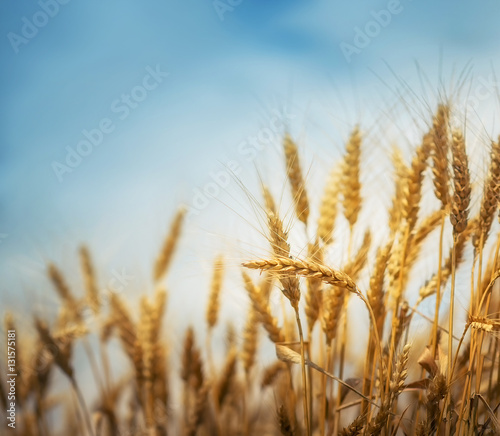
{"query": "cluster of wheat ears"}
[(450, 386)]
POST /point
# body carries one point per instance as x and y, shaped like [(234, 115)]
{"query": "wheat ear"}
[(213, 305), (329, 206), (165, 257), (489, 203), (61, 287), (401, 172), (261, 306), (461, 182), (279, 243), (296, 179), (313, 297), (91, 288), (413, 186), (440, 145), (284, 267), (250, 337), (268, 200), (285, 425), (350, 181)]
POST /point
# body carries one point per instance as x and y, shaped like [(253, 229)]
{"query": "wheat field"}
[(404, 374)]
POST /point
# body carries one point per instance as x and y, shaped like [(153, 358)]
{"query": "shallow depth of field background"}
[(229, 69)]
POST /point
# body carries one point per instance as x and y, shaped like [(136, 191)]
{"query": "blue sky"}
[(225, 78)]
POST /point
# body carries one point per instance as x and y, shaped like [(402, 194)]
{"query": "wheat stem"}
[(305, 390), (438, 289)]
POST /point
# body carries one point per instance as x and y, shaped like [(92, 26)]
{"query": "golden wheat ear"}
[(61, 287), (440, 146), (261, 306), (281, 248), (250, 341), (226, 382), (400, 176), (169, 246), (284, 422), (333, 303), (269, 202), (213, 306), (296, 179), (196, 414), (354, 428), (461, 183), (284, 267), (350, 182), (413, 186), (314, 295), (329, 206), (91, 288), (490, 200), (271, 373), (485, 324)]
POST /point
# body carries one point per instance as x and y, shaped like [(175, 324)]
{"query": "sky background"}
[(228, 72)]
